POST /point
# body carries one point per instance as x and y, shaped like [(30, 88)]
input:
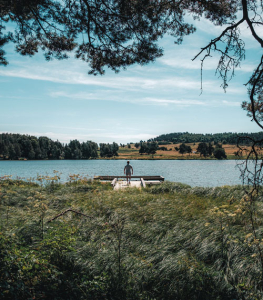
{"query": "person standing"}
[(129, 171)]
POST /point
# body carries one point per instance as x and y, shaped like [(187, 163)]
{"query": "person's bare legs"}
[(128, 178)]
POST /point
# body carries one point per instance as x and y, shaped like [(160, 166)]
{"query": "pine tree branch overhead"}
[(104, 33)]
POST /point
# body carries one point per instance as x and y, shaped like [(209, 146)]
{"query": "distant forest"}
[(17, 146), (223, 138)]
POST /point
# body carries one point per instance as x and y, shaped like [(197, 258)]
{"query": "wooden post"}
[(143, 183), (114, 181)]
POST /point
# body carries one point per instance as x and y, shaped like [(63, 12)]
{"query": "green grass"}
[(169, 241)]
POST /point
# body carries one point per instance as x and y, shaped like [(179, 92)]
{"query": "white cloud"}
[(117, 85), (208, 28), (127, 98), (120, 81), (74, 128), (104, 137), (183, 59), (202, 100), (230, 103), (181, 102), (192, 102), (210, 63)]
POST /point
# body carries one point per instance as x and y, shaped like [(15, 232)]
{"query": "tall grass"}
[(169, 241)]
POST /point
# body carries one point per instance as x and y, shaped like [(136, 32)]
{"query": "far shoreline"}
[(124, 159)]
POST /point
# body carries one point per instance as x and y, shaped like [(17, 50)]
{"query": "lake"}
[(207, 173)]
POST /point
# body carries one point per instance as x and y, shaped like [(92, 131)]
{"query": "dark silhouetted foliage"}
[(16, 146), (225, 138), (109, 150)]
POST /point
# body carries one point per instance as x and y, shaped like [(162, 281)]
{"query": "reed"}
[(82, 240)]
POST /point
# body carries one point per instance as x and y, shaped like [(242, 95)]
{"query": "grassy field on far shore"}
[(133, 153)]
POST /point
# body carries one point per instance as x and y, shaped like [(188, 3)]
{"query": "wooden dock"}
[(120, 182), (120, 185)]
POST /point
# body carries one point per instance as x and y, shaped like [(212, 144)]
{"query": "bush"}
[(219, 153)]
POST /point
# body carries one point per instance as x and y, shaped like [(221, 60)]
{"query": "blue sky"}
[(58, 99)]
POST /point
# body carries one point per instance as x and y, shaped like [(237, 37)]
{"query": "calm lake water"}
[(207, 173)]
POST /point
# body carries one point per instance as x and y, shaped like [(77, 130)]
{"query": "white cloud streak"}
[(120, 82), (183, 102), (104, 137)]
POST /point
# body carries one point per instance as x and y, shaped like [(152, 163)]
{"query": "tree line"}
[(109, 150), (204, 149), (223, 138), (17, 146), (147, 148)]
